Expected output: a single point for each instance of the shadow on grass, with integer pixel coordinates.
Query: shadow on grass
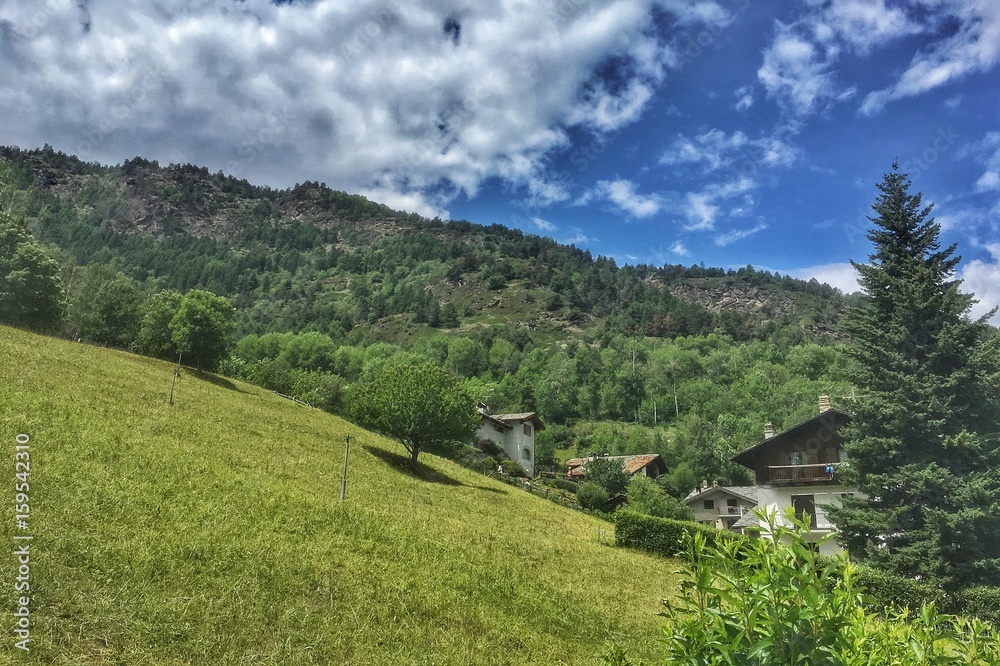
(221, 382)
(419, 470)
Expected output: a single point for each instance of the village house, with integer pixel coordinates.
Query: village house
(514, 433)
(722, 507)
(798, 469)
(647, 464)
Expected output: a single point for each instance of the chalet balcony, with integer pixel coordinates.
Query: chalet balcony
(732, 512)
(803, 474)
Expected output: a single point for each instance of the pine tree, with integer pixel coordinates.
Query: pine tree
(923, 443)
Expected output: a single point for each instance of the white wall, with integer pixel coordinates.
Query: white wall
(779, 499)
(513, 442)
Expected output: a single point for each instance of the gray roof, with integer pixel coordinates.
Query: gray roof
(747, 520)
(748, 493)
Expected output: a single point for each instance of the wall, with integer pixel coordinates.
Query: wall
(779, 499)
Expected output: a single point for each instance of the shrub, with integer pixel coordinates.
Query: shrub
(662, 536)
(761, 602)
(514, 469)
(980, 602)
(887, 590)
(566, 484)
(645, 496)
(591, 496)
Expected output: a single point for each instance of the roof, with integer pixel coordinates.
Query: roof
(748, 493)
(630, 464)
(788, 432)
(509, 419)
(748, 519)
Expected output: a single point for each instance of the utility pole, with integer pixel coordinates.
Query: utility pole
(343, 479)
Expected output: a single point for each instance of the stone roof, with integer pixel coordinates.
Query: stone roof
(746, 492)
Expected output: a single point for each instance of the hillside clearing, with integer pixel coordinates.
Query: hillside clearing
(209, 533)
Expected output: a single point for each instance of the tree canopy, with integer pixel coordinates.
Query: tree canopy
(421, 406)
(923, 444)
(31, 292)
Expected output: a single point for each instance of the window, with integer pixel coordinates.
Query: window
(732, 501)
(526, 454)
(709, 504)
(805, 504)
(527, 429)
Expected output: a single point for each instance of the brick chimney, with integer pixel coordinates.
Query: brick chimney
(768, 430)
(824, 404)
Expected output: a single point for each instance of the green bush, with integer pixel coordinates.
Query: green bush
(565, 484)
(591, 496)
(980, 602)
(663, 536)
(760, 601)
(887, 590)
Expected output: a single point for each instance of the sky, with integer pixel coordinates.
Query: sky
(728, 132)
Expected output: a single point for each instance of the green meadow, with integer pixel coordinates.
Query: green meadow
(210, 532)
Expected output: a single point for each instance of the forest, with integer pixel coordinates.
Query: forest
(313, 292)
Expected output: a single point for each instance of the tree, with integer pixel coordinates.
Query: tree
(420, 406)
(31, 291)
(609, 474)
(155, 336)
(591, 496)
(645, 496)
(114, 316)
(924, 442)
(200, 329)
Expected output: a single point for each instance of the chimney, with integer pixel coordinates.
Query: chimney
(824, 404)
(715, 484)
(704, 484)
(768, 430)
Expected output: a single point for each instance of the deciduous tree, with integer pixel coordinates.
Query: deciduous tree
(31, 292)
(421, 406)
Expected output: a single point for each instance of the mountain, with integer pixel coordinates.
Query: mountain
(312, 258)
(210, 532)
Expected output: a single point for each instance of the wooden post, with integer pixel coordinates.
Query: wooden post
(177, 372)
(343, 479)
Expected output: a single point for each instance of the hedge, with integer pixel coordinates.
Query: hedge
(662, 536)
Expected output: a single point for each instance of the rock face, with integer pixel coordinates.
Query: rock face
(734, 295)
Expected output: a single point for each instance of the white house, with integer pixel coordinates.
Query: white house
(721, 507)
(515, 433)
(797, 469)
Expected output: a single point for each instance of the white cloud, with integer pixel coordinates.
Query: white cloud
(744, 98)
(987, 151)
(715, 150)
(700, 212)
(973, 47)
(579, 239)
(842, 276)
(622, 193)
(367, 96)
(544, 225)
(736, 235)
(680, 249)
(982, 278)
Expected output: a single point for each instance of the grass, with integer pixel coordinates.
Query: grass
(209, 532)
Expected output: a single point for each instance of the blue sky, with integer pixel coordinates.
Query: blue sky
(657, 131)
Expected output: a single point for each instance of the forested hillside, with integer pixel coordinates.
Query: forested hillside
(328, 287)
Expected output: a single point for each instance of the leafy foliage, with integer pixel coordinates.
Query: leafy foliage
(200, 328)
(763, 602)
(31, 291)
(419, 406)
(608, 474)
(924, 443)
(662, 536)
(591, 496)
(645, 496)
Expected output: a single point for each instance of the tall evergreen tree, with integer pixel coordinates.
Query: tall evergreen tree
(924, 443)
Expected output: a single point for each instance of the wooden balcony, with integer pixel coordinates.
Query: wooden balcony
(803, 474)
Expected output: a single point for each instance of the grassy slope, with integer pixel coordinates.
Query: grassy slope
(209, 532)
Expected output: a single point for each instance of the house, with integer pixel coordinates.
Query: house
(515, 433)
(722, 507)
(797, 469)
(647, 464)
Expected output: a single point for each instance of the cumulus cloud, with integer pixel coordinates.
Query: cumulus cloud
(974, 47)
(982, 278)
(624, 195)
(413, 103)
(799, 65)
(680, 249)
(842, 276)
